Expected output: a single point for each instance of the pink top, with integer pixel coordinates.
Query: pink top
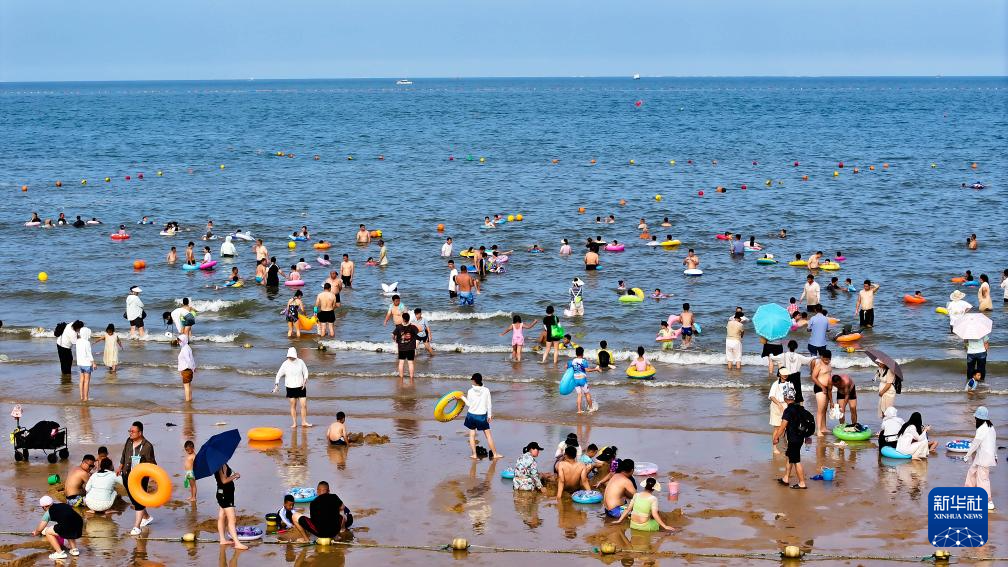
(641, 364)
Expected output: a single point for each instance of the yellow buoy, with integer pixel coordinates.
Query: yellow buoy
(222, 166)
(671, 162)
(792, 551)
(160, 173)
(292, 245)
(836, 173)
(657, 197)
(482, 160)
(189, 537)
(632, 162)
(517, 218)
(510, 218)
(83, 181)
(247, 345)
(768, 182)
(42, 276)
(108, 179)
(323, 541)
(460, 544)
(607, 548)
(349, 158)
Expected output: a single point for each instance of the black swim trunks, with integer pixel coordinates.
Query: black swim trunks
(327, 316)
(772, 349)
(591, 267)
(346, 281)
(407, 354)
(853, 393)
(338, 443)
(815, 388)
(296, 393)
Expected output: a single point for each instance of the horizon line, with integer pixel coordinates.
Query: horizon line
(505, 77)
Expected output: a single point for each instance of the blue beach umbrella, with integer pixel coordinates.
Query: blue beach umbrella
(215, 452)
(772, 322)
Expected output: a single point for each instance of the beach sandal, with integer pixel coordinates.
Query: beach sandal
(782, 481)
(817, 477)
(797, 487)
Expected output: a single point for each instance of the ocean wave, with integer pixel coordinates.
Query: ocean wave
(370, 346)
(220, 306)
(457, 316)
(713, 358)
(43, 333)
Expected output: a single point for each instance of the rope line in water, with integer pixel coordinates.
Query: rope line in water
(497, 549)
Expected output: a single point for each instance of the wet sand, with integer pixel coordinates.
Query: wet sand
(421, 489)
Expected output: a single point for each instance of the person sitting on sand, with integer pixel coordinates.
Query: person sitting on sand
(572, 475)
(103, 487)
(890, 428)
(337, 433)
(618, 488)
(913, 439)
(643, 510)
(327, 516)
(76, 479)
(526, 470)
(286, 514)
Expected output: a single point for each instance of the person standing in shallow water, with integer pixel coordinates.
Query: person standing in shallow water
(295, 375)
(479, 415)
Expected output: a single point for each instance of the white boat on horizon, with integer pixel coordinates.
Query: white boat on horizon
(636, 76)
(404, 82)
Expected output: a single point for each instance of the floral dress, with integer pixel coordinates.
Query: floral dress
(526, 474)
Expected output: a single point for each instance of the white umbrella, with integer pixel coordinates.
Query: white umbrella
(973, 326)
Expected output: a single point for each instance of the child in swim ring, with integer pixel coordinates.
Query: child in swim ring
(535, 248)
(620, 286)
(567, 343)
(487, 223)
(658, 294)
(293, 275)
(641, 363)
(665, 335)
(370, 261)
(302, 265)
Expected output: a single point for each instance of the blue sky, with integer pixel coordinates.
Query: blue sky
(70, 40)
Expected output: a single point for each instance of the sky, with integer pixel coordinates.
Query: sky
(71, 40)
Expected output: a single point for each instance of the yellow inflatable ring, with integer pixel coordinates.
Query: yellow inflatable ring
(321, 246)
(941, 310)
(670, 243)
(306, 323)
(467, 253)
(802, 263)
(830, 266)
(157, 474)
(648, 372)
(442, 405)
(265, 434)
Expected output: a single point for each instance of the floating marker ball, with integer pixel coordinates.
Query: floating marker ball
(632, 162)
(840, 165)
(836, 173)
(517, 218)
(933, 165)
(83, 181)
(744, 187)
(247, 345)
(127, 178)
(973, 165)
(42, 276)
(24, 187)
(292, 245)
(792, 551)
(59, 183)
(555, 161)
(796, 164)
(593, 161)
(188, 537)
(440, 228)
(871, 168)
(323, 541)
(768, 182)
(482, 160)
(108, 179)
(671, 162)
(451, 158)
(754, 162)
(222, 166)
(622, 202)
(607, 548)
(638, 103)
(885, 166)
(657, 197)
(139, 264)
(160, 173)
(510, 218)
(460, 544)
(689, 162)
(700, 193)
(581, 210)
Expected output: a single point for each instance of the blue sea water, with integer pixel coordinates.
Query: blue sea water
(904, 226)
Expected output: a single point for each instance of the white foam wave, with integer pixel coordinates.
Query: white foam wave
(370, 346)
(169, 337)
(208, 305)
(456, 316)
(698, 357)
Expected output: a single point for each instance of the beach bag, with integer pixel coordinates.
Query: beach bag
(60, 327)
(806, 423)
(898, 385)
(556, 332)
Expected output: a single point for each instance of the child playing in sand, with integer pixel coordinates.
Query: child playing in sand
(337, 433)
(286, 513)
(190, 458)
(517, 330)
(110, 356)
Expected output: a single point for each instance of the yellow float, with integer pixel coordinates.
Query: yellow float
(441, 411)
(798, 263)
(670, 243)
(307, 323)
(830, 266)
(265, 434)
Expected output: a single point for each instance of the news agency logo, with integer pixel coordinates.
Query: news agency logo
(957, 517)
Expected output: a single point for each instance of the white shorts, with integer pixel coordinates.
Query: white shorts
(581, 389)
(733, 350)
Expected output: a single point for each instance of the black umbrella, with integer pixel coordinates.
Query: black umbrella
(879, 356)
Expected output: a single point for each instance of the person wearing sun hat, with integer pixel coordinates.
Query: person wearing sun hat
(66, 524)
(295, 375)
(983, 451)
(956, 307)
(576, 298)
(135, 312)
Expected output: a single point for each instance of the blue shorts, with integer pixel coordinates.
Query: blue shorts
(687, 331)
(476, 422)
(615, 512)
(580, 382)
(466, 298)
(84, 369)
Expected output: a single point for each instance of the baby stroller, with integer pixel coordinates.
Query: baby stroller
(45, 436)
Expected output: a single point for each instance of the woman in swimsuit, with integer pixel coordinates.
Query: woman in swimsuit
(517, 330)
(643, 510)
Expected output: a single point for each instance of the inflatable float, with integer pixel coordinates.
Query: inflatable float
(839, 433)
(893, 453)
(303, 494)
(587, 497)
(614, 248)
(914, 299)
(441, 411)
(766, 261)
(294, 283)
(647, 374)
(848, 338)
(118, 236)
(265, 434)
(693, 272)
(959, 445)
(306, 323)
(567, 382)
(208, 265)
(636, 295)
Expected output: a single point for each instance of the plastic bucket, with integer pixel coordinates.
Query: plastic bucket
(673, 487)
(828, 473)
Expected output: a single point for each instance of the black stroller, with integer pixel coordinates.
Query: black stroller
(45, 436)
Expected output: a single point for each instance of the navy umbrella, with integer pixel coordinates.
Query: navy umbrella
(216, 452)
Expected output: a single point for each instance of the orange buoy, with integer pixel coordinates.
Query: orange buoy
(622, 202)
(644, 235)
(139, 264)
(440, 228)
(593, 161)
(24, 188)
(581, 210)
(804, 177)
(555, 161)
(871, 168)
(885, 166)
(518, 218)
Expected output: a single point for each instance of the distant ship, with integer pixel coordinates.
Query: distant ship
(404, 82)
(636, 76)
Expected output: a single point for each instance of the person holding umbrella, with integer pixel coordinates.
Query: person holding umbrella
(212, 459)
(889, 377)
(974, 329)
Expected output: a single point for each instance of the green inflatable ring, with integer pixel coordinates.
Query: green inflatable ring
(839, 433)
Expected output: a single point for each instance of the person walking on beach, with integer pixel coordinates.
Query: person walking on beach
(552, 334)
(226, 520)
(85, 358)
(295, 307)
(983, 452)
(865, 306)
(135, 313)
(295, 375)
(66, 337)
(810, 293)
(405, 337)
(136, 450)
(794, 425)
(733, 341)
(479, 414)
(186, 366)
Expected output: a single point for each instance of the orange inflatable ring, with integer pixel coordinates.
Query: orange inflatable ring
(322, 246)
(913, 299)
(959, 279)
(848, 338)
(375, 234)
(149, 499)
(265, 434)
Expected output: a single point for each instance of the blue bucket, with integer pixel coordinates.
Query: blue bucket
(828, 473)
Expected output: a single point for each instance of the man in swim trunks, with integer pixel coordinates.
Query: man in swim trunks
(326, 303)
(865, 307)
(822, 379)
(466, 286)
(76, 479)
(337, 434)
(692, 261)
(363, 236)
(619, 489)
(260, 250)
(813, 261)
(591, 258)
(846, 396)
(347, 271)
(572, 474)
(686, 319)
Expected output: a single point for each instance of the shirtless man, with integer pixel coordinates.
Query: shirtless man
(692, 261)
(336, 283)
(813, 261)
(479, 262)
(172, 256)
(822, 379)
(846, 395)
(619, 489)
(465, 284)
(347, 270)
(686, 320)
(395, 312)
(76, 479)
(591, 258)
(190, 255)
(363, 236)
(337, 434)
(261, 253)
(572, 474)
(326, 304)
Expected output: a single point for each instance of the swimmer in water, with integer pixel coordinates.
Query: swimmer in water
(659, 295)
(48, 223)
(370, 261)
(620, 286)
(94, 220)
(642, 226)
(639, 364)
(497, 219)
(302, 265)
(206, 255)
(363, 236)
(782, 233)
(598, 220)
(35, 218)
(536, 248)
(666, 222)
(304, 232)
(145, 220)
(292, 276)
(665, 335)
(565, 249)
(260, 275)
(487, 223)
(172, 256)
(692, 261)
(611, 219)
(122, 229)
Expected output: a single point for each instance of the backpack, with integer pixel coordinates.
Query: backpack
(806, 423)
(60, 327)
